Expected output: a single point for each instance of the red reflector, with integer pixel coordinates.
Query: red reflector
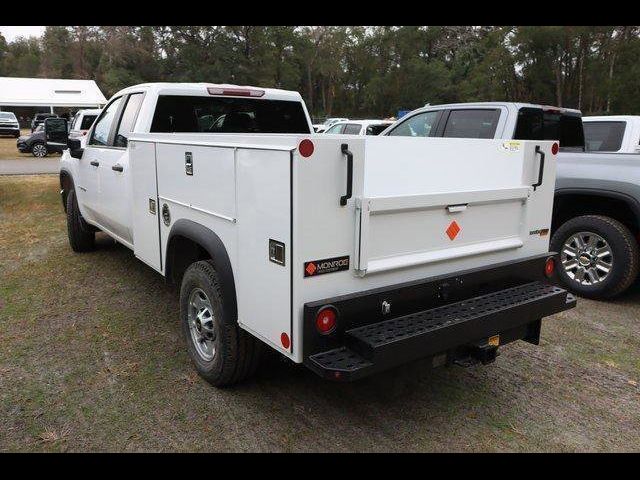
(326, 320)
(306, 148)
(85, 132)
(554, 148)
(549, 266)
(235, 92)
(284, 339)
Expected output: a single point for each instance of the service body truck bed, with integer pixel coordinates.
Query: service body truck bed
(353, 254)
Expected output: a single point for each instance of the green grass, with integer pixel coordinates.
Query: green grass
(92, 359)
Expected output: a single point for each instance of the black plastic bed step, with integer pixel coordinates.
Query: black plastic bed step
(438, 330)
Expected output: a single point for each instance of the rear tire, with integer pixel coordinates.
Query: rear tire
(39, 150)
(221, 351)
(81, 235)
(613, 272)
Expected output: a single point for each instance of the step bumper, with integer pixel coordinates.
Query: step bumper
(445, 333)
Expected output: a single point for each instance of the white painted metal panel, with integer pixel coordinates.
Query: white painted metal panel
(263, 287)
(146, 237)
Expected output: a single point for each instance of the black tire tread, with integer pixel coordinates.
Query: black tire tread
(81, 237)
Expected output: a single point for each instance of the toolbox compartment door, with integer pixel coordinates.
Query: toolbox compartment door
(442, 200)
(146, 227)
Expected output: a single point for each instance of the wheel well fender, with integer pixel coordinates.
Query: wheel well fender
(189, 242)
(570, 203)
(66, 184)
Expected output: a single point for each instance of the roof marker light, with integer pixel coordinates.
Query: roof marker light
(235, 92)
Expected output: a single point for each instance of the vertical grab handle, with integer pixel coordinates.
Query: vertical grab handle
(541, 170)
(345, 150)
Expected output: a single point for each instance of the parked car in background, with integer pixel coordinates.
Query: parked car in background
(322, 127)
(81, 122)
(612, 133)
(40, 118)
(36, 144)
(9, 124)
(359, 127)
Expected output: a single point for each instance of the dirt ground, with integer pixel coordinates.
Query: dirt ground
(9, 151)
(92, 359)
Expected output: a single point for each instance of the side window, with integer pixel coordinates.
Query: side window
(478, 123)
(74, 121)
(603, 136)
(352, 129)
(336, 129)
(420, 125)
(102, 130)
(87, 121)
(129, 116)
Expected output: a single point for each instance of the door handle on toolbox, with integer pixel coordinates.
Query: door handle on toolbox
(94, 163)
(345, 150)
(541, 171)
(117, 168)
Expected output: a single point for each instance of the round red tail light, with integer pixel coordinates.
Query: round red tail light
(554, 148)
(326, 320)
(549, 266)
(306, 148)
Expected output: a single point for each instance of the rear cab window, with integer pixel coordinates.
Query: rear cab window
(603, 136)
(195, 114)
(538, 124)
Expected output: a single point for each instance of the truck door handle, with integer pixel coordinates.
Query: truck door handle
(94, 163)
(345, 150)
(541, 171)
(117, 168)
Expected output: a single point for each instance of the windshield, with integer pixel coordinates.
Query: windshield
(7, 116)
(536, 124)
(603, 136)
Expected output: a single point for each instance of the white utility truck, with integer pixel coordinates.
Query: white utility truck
(350, 254)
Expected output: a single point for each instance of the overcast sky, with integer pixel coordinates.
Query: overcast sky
(11, 33)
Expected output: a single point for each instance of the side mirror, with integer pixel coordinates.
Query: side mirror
(75, 148)
(55, 133)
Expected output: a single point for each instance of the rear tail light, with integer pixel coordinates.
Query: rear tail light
(326, 320)
(306, 148)
(235, 92)
(549, 266)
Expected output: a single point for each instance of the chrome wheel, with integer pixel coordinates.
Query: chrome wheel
(586, 258)
(202, 324)
(39, 150)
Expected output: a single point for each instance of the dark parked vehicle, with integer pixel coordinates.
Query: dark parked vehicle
(36, 144)
(40, 118)
(9, 124)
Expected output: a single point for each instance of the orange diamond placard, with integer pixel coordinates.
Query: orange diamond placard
(452, 230)
(311, 268)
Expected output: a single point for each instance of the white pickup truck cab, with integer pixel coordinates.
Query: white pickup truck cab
(612, 133)
(350, 254)
(506, 120)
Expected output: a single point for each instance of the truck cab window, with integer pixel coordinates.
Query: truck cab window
(603, 136)
(420, 125)
(104, 123)
(175, 113)
(336, 128)
(128, 119)
(352, 129)
(536, 124)
(476, 123)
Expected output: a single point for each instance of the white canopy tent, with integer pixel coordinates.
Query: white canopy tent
(49, 92)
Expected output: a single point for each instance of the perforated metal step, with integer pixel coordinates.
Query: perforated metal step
(485, 312)
(430, 332)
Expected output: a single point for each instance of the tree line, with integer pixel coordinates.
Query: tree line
(353, 71)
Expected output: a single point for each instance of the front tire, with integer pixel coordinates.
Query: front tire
(81, 235)
(39, 150)
(221, 351)
(599, 256)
